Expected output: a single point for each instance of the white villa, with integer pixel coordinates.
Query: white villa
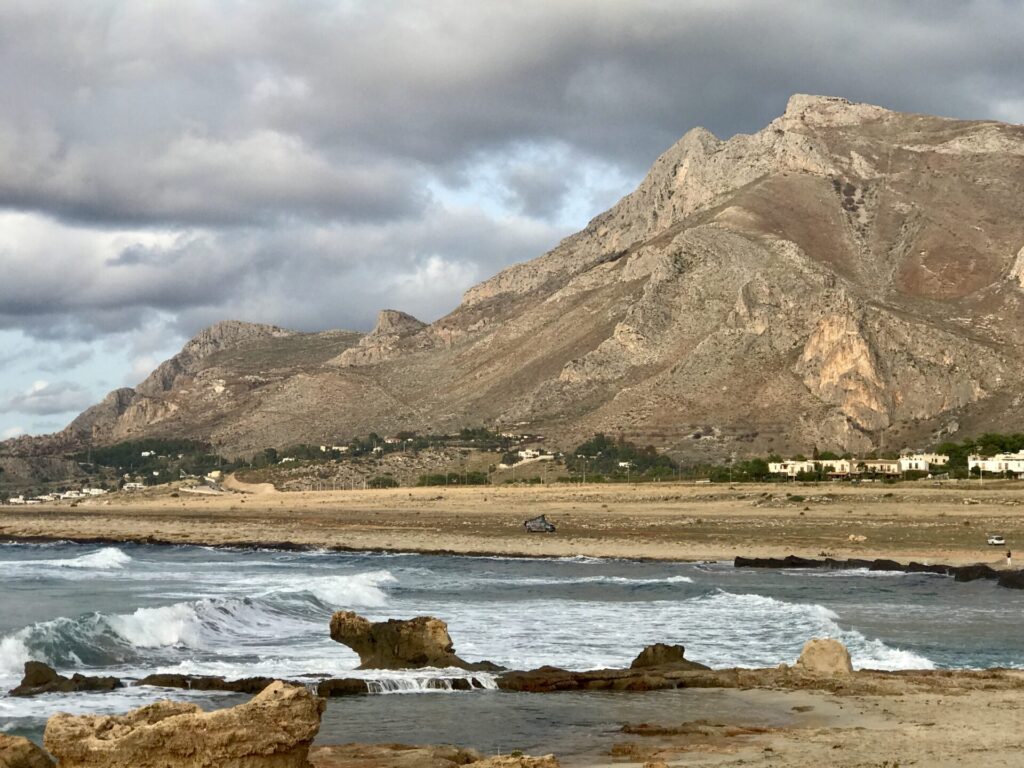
(1000, 464)
(838, 468)
(791, 467)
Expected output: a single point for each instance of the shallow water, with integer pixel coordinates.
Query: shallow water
(133, 610)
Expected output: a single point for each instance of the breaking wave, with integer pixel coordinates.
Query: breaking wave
(106, 559)
(210, 625)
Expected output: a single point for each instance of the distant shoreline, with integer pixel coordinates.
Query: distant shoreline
(667, 522)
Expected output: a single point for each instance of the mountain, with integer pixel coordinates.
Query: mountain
(848, 277)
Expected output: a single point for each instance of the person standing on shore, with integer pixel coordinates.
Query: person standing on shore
(1009, 559)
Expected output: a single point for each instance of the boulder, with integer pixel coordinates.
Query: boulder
(273, 730)
(824, 657)
(661, 655)
(40, 678)
(400, 643)
(16, 752)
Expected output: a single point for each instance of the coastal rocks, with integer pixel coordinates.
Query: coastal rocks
(824, 657)
(661, 655)
(400, 643)
(342, 686)
(207, 683)
(273, 730)
(16, 752)
(40, 678)
(550, 679)
(1006, 578)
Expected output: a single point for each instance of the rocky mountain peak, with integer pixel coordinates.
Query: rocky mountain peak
(391, 322)
(829, 110)
(216, 338)
(383, 342)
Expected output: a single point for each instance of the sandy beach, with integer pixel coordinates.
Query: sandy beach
(928, 523)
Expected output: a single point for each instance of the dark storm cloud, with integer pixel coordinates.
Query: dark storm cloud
(193, 113)
(309, 164)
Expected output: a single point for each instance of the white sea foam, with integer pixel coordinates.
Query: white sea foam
(169, 625)
(106, 559)
(357, 590)
(874, 654)
(622, 580)
(13, 654)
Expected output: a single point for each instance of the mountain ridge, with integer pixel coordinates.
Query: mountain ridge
(849, 277)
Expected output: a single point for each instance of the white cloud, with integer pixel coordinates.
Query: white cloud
(10, 432)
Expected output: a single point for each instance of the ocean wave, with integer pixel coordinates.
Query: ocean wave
(791, 624)
(874, 654)
(365, 590)
(286, 608)
(621, 580)
(106, 559)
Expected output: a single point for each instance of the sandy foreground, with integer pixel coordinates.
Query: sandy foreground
(914, 521)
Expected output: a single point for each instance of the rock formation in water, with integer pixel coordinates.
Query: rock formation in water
(848, 277)
(273, 730)
(400, 643)
(17, 752)
(824, 656)
(662, 655)
(40, 678)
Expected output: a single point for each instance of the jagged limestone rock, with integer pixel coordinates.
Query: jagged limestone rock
(273, 730)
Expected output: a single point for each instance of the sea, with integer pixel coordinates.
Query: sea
(133, 610)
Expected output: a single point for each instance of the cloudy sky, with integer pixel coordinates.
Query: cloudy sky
(164, 165)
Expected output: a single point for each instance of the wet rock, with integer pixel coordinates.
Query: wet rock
(824, 657)
(974, 572)
(207, 683)
(959, 573)
(400, 643)
(550, 679)
(41, 678)
(16, 752)
(1012, 579)
(273, 730)
(660, 655)
(342, 686)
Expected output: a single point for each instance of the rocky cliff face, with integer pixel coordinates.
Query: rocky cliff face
(847, 278)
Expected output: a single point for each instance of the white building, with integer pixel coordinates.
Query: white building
(838, 467)
(529, 453)
(791, 467)
(16, 500)
(922, 462)
(1000, 464)
(889, 467)
(134, 486)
